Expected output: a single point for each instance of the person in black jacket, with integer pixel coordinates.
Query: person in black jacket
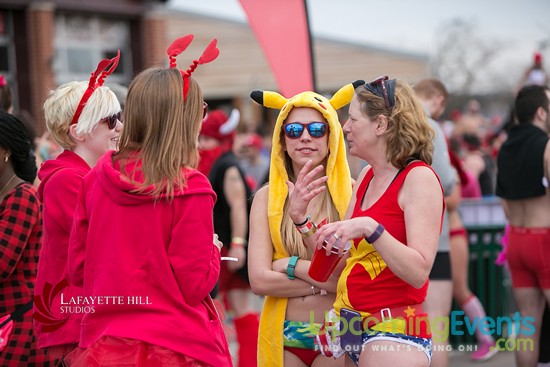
(231, 211)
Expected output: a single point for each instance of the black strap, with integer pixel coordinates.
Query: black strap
(5, 322)
(17, 315)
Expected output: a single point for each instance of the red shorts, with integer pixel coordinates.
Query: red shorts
(529, 257)
(307, 356)
(115, 351)
(458, 232)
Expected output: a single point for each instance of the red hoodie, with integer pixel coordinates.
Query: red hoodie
(60, 182)
(125, 245)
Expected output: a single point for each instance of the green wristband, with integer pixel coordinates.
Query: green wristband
(291, 266)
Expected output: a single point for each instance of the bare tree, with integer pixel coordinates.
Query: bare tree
(463, 59)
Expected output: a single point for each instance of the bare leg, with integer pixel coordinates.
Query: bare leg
(322, 361)
(239, 300)
(459, 268)
(530, 303)
(348, 361)
(438, 306)
(469, 303)
(546, 293)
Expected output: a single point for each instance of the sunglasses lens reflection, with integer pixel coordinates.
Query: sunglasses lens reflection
(294, 131)
(315, 129)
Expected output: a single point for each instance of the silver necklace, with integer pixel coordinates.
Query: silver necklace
(7, 183)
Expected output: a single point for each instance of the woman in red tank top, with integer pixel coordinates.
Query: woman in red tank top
(394, 220)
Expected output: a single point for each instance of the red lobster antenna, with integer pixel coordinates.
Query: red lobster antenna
(104, 69)
(178, 46)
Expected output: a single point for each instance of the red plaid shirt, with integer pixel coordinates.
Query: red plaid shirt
(20, 236)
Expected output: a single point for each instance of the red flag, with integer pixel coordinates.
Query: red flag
(282, 29)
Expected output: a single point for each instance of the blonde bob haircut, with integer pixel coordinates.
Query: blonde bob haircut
(408, 135)
(161, 130)
(61, 106)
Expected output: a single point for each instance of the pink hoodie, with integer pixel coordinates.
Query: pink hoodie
(125, 245)
(60, 182)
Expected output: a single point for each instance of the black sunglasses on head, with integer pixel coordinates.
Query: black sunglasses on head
(374, 88)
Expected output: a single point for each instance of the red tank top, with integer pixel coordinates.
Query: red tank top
(367, 285)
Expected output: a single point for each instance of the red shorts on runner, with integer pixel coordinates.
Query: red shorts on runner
(529, 257)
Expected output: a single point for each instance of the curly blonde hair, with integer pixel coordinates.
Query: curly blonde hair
(409, 135)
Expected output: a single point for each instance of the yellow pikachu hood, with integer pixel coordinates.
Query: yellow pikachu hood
(270, 347)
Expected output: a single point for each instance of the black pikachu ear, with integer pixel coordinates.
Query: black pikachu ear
(257, 96)
(358, 83)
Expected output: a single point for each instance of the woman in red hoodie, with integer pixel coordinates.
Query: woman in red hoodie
(143, 243)
(84, 119)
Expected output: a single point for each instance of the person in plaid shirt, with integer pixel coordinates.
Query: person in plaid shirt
(20, 239)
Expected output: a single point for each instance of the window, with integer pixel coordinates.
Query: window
(82, 41)
(8, 65)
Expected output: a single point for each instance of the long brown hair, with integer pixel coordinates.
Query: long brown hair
(161, 129)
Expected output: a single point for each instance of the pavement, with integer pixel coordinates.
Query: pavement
(462, 359)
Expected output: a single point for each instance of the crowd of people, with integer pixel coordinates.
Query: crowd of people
(140, 220)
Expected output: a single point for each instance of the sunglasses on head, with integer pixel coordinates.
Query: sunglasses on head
(112, 120)
(315, 129)
(373, 88)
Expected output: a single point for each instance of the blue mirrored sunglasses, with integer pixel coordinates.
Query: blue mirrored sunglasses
(315, 129)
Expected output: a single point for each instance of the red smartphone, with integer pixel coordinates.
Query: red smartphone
(351, 323)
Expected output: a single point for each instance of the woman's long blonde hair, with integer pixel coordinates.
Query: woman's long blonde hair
(161, 130)
(291, 237)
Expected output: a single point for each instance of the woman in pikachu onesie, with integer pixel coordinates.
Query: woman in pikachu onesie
(309, 184)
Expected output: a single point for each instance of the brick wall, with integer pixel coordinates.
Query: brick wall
(154, 42)
(41, 25)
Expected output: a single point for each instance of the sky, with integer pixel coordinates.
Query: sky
(521, 26)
